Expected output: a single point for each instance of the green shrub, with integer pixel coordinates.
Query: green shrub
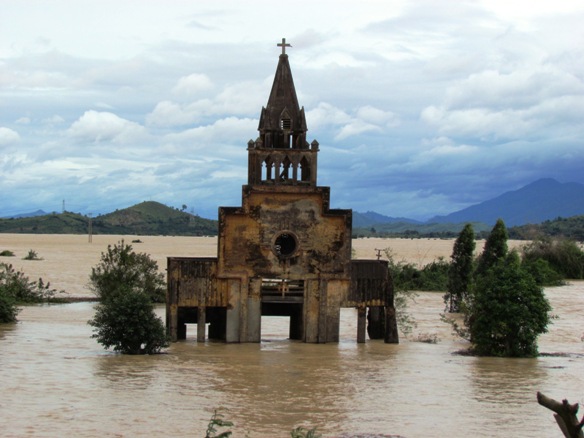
(121, 267)
(32, 255)
(433, 276)
(20, 289)
(126, 322)
(507, 311)
(6, 253)
(562, 255)
(8, 309)
(542, 272)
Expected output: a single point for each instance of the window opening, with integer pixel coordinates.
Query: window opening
(286, 124)
(285, 244)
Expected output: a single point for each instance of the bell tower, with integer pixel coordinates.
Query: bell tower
(281, 154)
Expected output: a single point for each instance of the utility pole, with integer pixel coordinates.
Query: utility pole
(90, 230)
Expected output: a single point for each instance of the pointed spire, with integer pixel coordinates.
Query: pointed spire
(282, 115)
(281, 155)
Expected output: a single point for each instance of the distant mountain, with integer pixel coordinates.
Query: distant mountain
(371, 218)
(147, 218)
(542, 200)
(31, 214)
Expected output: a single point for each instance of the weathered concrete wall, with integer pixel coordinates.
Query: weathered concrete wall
(247, 235)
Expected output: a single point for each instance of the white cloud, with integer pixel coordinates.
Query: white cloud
(99, 127)
(8, 136)
(356, 127)
(326, 114)
(192, 84)
(208, 138)
(168, 113)
(240, 99)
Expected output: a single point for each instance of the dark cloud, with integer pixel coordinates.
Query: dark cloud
(420, 108)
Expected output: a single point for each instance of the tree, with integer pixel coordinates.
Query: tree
(461, 269)
(126, 321)
(16, 288)
(507, 311)
(495, 247)
(120, 267)
(127, 283)
(562, 256)
(8, 309)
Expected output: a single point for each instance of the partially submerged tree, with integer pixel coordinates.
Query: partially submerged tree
(495, 248)
(120, 267)
(564, 257)
(506, 310)
(8, 309)
(16, 288)
(127, 323)
(126, 284)
(461, 268)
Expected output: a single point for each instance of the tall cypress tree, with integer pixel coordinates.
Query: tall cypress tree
(461, 269)
(495, 248)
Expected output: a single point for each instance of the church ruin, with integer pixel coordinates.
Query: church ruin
(284, 251)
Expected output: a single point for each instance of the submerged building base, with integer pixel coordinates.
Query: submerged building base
(232, 307)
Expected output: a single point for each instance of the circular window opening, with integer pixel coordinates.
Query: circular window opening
(285, 244)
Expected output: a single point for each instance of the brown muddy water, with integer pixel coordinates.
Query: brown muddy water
(56, 381)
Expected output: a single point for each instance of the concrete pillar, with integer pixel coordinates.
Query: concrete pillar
(201, 323)
(391, 331)
(322, 312)
(311, 311)
(172, 322)
(233, 323)
(334, 291)
(254, 310)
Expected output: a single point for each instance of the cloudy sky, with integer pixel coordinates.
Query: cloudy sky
(420, 107)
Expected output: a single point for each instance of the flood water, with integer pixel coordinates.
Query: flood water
(57, 381)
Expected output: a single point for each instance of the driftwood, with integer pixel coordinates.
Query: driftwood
(565, 415)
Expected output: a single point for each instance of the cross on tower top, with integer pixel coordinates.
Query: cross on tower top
(283, 45)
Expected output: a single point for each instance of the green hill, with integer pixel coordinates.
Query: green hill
(146, 218)
(64, 223)
(408, 229)
(570, 228)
